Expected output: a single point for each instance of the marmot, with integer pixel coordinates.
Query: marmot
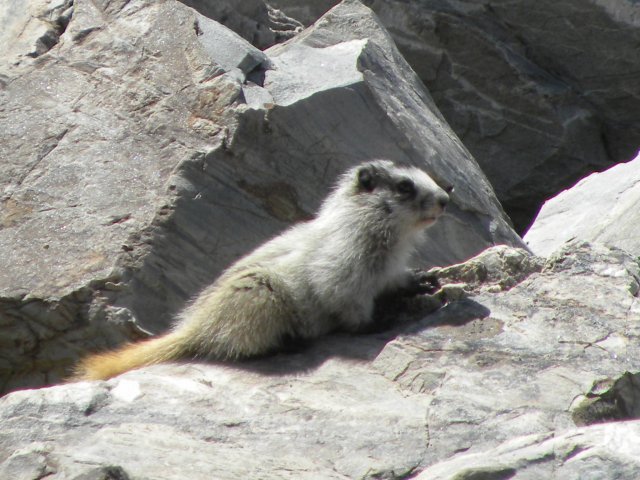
(318, 276)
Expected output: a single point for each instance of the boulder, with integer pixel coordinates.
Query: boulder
(601, 208)
(347, 67)
(141, 159)
(148, 147)
(96, 129)
(540, 98)
(520, 379)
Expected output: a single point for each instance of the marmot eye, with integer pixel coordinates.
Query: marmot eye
(406, 187)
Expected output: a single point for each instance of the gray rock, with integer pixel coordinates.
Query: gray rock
(487, 387)
(600, 452)
(304, 11)
(237, 52)
(142, 159)
(350, 58)
(500, 266)
(95, 133)
(29, 29)
(541, 98)
(600, 208)
(139, 164)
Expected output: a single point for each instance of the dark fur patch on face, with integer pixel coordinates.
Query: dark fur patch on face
(406, 188)
(371, 177)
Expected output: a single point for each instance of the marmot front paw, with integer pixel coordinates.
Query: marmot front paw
(423, 283)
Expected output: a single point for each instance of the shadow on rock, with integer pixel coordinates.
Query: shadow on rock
(453, 314)
(306, 356)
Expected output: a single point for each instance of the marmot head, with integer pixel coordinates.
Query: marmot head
(406, 196)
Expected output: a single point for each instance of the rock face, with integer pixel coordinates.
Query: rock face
(601, 208)
(603, 451)
(491, 386)
(147, 146)
(95, 131)
(541, 98)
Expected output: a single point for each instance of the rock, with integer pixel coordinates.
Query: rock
(95, 132)
(610, 400)
(31, 30)
(305, 11)
(499, 266)
(347, 66)
(237, 52)
(540, 98)
(142, 159)
(600, 208)
(491, 386)
(605, 451)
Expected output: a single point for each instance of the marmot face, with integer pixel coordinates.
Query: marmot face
(408, 196)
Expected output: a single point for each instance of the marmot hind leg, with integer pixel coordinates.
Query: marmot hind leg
(250, 314)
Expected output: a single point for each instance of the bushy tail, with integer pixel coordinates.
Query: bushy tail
(102, 366)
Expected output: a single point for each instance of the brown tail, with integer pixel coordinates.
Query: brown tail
(102, 366)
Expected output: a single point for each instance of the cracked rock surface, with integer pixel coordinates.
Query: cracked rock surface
(494, 384)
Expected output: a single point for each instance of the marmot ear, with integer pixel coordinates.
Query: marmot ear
(367, 178)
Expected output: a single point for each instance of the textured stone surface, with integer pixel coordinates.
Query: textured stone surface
(148, 147)
(541, 97)
(600, 452)
(600, 208)
(491, 386)
(95, 132)
(29, 29)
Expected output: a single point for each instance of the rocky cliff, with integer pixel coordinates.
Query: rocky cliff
(146, 145)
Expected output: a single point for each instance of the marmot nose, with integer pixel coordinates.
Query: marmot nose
(443, 200)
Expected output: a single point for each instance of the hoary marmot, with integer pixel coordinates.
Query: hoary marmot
(318, 276)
